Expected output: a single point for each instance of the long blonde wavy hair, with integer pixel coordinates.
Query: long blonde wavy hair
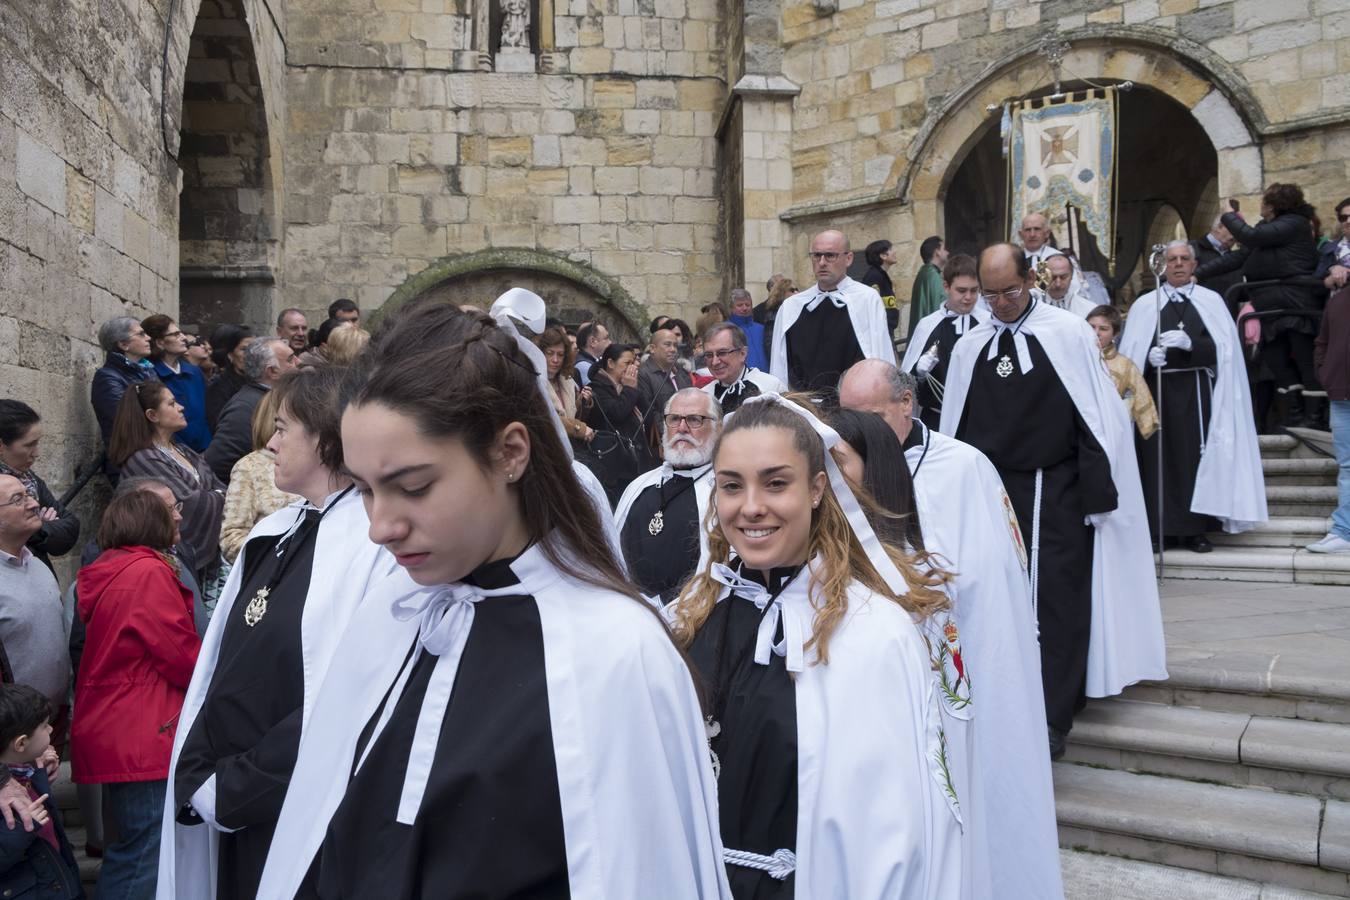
(842, 560)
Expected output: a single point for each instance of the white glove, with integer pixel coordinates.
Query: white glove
(1176, 338)
(1096, 520)
(928, 362)
(1157, 357)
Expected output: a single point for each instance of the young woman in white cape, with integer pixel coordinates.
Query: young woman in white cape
(300, 575)
(526, 726)
(835, 679)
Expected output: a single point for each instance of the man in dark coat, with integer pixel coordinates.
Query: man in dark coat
(128, 360)
(659, 377)
(265, 361)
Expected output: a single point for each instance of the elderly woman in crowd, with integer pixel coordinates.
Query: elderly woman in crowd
(20, 432)
(168, 351)
(229, 343)
(253, 494)
(139, 651)
(127, 362)
(143, 444)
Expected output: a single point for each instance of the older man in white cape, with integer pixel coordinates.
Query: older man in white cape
(1212, 466)
(1125, 630)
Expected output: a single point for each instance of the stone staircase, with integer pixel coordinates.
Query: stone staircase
(1239, 764)
(1300, 494)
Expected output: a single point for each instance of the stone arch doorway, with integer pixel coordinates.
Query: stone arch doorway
(956, 155)
(574, 292)
(228, 222)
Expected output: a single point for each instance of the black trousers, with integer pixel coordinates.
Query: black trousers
(1289, 356)
(1063, 585)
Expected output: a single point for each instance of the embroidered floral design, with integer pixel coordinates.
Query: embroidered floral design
(945, 774)
(953, 680)
(1013, 528)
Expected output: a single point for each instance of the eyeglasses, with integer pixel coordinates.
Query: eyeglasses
(694, 422)
(1009, 294)
(177, 507)
(828, 256)
(724, 354)
(1345, 218)
(16, 499)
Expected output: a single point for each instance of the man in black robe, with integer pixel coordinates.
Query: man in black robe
(660, 515)
(1020, 414)
(1188, 358)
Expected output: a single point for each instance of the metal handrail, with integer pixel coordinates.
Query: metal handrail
(81, 479)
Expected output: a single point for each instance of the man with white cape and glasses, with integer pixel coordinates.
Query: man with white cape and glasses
(1028, 388)
(840, 701)
(527, 727)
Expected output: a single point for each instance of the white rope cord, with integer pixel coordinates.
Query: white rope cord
(1036, 548)
(779, 866)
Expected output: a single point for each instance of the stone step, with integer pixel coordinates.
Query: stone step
(1095, 876)
(1301, 499)
(1244, 832)
(1281, 564)
(1291, 755)
(1276, 445)
(1318, 470)
(1279, 531)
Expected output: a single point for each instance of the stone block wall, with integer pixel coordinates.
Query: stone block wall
(608, 157)
(879, 76)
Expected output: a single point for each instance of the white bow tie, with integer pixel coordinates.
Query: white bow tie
(1019, 343)
(962, 321)
(834, 297)
(446, 620)
(794, 632)
(1176, 296)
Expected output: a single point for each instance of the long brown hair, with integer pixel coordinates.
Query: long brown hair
(132, 430)
(782, 289)
(555, 336)
(842, 558)
(460, 376)
(137, 519)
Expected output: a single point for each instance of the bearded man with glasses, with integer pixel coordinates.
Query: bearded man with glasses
(821, 331)
(1027, 388)
(660, 515)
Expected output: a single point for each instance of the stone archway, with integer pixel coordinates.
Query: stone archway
(573, 291)
(1203, 84)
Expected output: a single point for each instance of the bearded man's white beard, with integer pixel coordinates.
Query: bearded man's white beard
(684, 452)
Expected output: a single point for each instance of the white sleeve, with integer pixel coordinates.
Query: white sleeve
(204, 804)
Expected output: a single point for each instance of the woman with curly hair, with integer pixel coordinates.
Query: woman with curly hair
(1280, 246)
(834, 677)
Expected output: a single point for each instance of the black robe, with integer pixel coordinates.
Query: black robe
(945, 336)
(1027, 422)
(247, 733)
(821, 345)
(1184, 411)
(755, 708)
(659, 564)
(491, 818)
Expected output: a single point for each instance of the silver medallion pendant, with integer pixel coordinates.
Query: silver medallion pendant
(257, 608)
(657, 524)
(1005, 367)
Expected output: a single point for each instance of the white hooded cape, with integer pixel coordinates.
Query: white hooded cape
(1230, 484)
(639, 801)
(924, 327)
(1126, 645)
(865, 311)
(967, 520)
(346, 570)
(873, 819)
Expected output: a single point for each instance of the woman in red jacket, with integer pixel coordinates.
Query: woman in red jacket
(140, 648)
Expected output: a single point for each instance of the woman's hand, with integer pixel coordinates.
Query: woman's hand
(584, 396)
(630, 376)
(1336, 277)
(589, 434)
(47, 514)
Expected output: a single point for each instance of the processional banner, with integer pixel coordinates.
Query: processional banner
(1063, 153)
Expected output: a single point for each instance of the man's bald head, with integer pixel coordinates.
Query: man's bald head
(830, 259)
(1061, 276)
(876, 386)
(1005, 280)
(1035, 231)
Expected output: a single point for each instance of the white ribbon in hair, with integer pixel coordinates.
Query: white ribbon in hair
(843, 492)
(794, 629)
(446, 619)
(527, 308)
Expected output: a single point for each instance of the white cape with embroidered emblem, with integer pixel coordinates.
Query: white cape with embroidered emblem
(1229, 484)
(872, 818)
(638, 798)
(865, 311)
(345, 562)
(1126, 645)
(1011, 836)
(702, 496)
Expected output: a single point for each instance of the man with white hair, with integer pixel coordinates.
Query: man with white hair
(1211, 462)
(265, 361)
(660, 515)
(821, 331)
(1035, 235)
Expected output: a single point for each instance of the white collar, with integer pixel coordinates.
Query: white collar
(1019, 332)
(695, 472)
(18, 562)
